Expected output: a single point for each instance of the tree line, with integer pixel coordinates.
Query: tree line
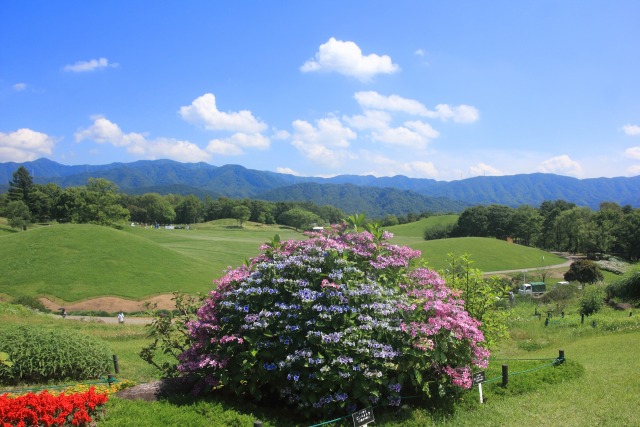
(101, 202)
(555, 225)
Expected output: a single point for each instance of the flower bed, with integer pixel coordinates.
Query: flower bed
(47, 409)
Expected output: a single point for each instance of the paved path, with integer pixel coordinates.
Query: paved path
(570, 260)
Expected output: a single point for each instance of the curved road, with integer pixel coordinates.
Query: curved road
(570, 260)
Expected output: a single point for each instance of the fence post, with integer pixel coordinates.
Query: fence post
(505, 375)
(110, 379)
(116, 366)
(560, 356)
(257, 423)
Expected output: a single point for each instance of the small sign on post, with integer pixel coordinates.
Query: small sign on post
(479, 378)
(363, 418)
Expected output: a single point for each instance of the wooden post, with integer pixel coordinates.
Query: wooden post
(505, 375)
(116, 366)
(560, 356)
(110, 379)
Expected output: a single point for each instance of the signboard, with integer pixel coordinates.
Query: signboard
(363, 417)
(479, 377)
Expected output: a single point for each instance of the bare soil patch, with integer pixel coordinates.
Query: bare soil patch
(112, 304)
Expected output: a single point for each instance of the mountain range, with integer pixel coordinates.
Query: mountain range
(377, 196)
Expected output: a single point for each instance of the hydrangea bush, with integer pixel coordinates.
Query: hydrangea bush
(331, 324)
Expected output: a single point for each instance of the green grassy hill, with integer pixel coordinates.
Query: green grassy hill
(75, 262)
(417, 228)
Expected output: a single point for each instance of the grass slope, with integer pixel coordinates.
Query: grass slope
(417, 228)
(75, 262)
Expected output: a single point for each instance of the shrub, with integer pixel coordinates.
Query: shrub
(627, 287)
(331, 324)
(41, 355)
(31, 302)
(592, 301)
(583, 271)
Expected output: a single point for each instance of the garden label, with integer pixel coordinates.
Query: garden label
(363, 417)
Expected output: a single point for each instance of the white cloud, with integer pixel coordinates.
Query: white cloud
(374, 100)
(414, 134)
(24, 145)
(323, 143)
(632, 130)
(483, 169)
(103, 131)
(420, 169)
(347, 58)
(419, 52)
(288, 171)
(19, 87)
(371, 119)
(561, 165)
(91, 65)
(234, 145)
(203, 110)
(633, 170)
(633, 152)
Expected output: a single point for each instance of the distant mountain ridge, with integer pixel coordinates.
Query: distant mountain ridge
(351, 193)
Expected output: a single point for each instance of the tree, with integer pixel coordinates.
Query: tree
(18, 214)
(103, 203)
(189, 210)
(157, 209)
(473, 222)
(241, 213)
(499, 221)
(583, 271)
(527, 224)
(298, 218)
(21, 185)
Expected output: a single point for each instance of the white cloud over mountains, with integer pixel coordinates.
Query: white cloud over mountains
(25, 145)
(346, 58)
(563, 165)
(103, 131)
(91, 65)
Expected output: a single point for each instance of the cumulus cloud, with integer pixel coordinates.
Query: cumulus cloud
(632, 130)
(346, 58)
(561, 165)
(324, 143)
(633, 152)
(203, 111)
(633, 170)
(19, 87)
(374, 100)
(483, 169)
(91, 65)
(103, 131)
(371, 119)
(420, 169)
(414, 134)
(235, 143)
(25, 145)
(288, 171)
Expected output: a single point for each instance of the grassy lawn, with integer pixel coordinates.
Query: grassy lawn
(73, 262)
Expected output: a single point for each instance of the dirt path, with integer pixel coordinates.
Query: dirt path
(111, 304)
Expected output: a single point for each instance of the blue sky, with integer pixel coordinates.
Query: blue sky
(427, 89)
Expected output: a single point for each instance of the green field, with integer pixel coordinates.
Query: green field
(79, 261)
(73, 262)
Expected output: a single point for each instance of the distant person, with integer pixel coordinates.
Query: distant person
(121, 317)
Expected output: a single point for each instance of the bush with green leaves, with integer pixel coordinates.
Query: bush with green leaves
(592, 300)
(40, 355)
(334, 323)
(627, 287)
(31, 302)
(583, 271)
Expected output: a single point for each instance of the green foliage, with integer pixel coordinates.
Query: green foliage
(485, 299)
(41, 355)
(592, 300)
(4, 359)
(627, 287)
(18, 214)
(583, 271)
(31, 302)
(438, 232)
(168, 330)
